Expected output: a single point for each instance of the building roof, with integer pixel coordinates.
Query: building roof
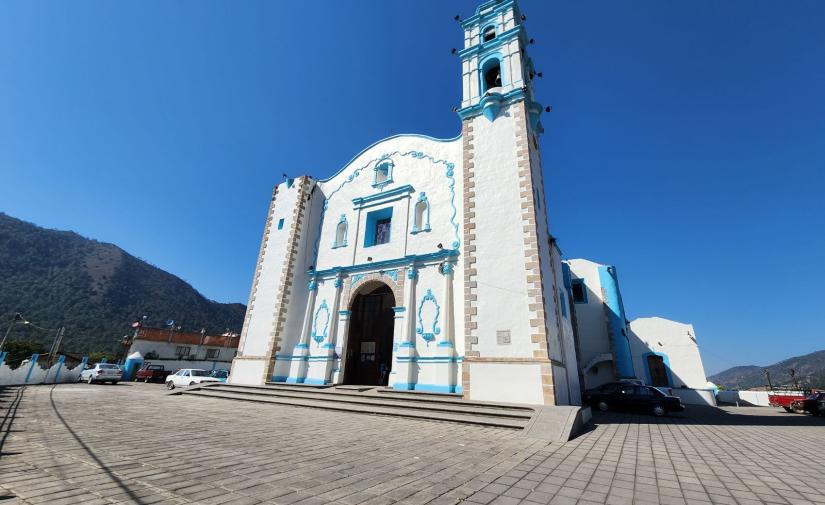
(187, 337)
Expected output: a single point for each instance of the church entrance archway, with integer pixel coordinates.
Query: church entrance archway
(370, 336)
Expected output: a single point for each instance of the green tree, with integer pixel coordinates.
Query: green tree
(19, 350)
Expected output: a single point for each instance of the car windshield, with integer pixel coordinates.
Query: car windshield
(219, 374)
(200, 373)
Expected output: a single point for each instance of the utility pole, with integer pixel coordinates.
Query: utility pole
(58, 339)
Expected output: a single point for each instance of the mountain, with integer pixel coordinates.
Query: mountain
(810, 370)
(94, 289)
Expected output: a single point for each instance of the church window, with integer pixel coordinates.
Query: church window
(579, 291)
(382, 231)
(421, 214)
(379, 224)
(489, 34)
(281, 224)
(383, 173)
(340, 233)
(492, 74)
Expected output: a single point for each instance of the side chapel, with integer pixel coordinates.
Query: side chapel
(424, 264)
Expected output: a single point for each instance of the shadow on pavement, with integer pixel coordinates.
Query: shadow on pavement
(716, 416)
(15, 396)
(132, 496)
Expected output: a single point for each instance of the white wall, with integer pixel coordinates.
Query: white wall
(594, 339)
(744, 398)
(33, 373)
(675, 340)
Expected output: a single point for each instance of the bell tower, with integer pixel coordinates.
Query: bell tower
(517, 344)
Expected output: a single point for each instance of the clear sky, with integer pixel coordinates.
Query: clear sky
(686, 144)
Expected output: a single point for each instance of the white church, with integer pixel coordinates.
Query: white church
(424, 264)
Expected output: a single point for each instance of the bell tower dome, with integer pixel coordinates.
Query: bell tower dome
(495, 67)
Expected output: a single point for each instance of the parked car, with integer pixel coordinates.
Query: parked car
(632, 396)
(221, 375)
(814, 404)
(188, 377)
(101, 372)
(151, 373)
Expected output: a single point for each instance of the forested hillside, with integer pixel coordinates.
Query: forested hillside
(94, 289)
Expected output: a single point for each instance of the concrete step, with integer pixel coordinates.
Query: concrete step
(333, 402)
(388, 393)
(366, 399)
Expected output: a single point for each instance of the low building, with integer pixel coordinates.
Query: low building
(182, 349)
(666, 353)
(658, 351)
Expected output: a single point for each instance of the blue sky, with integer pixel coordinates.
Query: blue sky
(685, 144)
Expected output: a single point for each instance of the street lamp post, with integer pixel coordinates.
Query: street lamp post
(17, 317)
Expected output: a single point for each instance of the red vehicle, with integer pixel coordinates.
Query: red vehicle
(151, 373)
(789, 399)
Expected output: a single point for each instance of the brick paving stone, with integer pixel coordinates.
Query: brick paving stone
(249, 453)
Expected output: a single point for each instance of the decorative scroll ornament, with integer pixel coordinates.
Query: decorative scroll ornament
(321, 317)
(428, 335)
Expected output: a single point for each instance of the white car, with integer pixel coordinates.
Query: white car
(101, 372)
(188, 377)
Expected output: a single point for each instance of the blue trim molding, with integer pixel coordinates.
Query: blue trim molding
(379, 198)
(396, 262)
(623, 359)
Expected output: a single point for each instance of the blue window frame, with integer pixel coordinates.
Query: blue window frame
(379, 223)
(281, 224)
(563, 303)
(579, 291)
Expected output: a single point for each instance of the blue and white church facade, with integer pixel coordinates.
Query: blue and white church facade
(424, 264)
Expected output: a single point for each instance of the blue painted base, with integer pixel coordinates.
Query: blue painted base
(318, 382)
(279, 378)
(432, 388)
(295, 380)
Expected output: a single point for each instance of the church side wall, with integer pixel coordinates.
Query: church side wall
(295, 304)
(271, 284)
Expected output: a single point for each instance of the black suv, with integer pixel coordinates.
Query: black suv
(632, 396)
(814, 404)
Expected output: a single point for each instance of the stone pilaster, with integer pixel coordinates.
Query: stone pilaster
(470, 272)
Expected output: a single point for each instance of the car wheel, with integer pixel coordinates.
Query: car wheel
(192, 383)
(797, 408)
(146, 380)
(114, 383)
(787, 409)
(659, 411)
(170, 385)
(602, 405)
(89, 380)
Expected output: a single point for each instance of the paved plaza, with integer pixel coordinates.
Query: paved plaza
(133, 443)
